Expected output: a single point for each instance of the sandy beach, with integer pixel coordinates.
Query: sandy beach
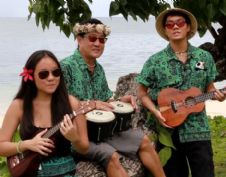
(213, 108)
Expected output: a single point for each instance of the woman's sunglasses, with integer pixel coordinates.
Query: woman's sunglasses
(45, 74)
(102, 40)
(171, 24)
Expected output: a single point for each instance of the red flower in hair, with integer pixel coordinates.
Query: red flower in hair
(27, 74)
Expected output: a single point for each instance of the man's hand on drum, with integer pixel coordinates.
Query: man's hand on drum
(105, 106)
(130, 99)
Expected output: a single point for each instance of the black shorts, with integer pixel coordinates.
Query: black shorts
(197, 155)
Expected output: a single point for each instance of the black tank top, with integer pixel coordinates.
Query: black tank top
(62, 145)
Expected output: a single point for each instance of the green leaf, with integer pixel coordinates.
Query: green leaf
(223, 7)
(164, 155)
(114, 8)
(61, 2)
(3, 168)
(202, 3)
(37, 19)
(66, 29)
(165, 137)
(16, 136)
(133, 15)
(123, 2)
(216, 2)
(153, 137)
(210, 13)
(202, 30)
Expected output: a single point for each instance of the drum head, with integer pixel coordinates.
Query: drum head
(121, 107)
(100, 116)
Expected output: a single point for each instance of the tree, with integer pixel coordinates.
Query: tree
(65, 13)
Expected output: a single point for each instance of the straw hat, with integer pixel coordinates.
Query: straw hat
(161, 29)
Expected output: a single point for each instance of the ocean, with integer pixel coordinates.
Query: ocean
(128, 47)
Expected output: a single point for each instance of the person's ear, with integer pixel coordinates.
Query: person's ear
(79, 38)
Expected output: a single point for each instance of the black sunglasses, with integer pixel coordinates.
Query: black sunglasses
(45, 74)
(102, 40)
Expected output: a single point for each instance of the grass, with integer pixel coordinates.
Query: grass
(218, 127)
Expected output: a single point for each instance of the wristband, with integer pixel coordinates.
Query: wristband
(18, 147)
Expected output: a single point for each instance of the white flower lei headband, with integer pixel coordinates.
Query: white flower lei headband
(87, 28)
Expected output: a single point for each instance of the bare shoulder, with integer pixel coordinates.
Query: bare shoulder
(17, 103)
(12, 117)
(16, 107)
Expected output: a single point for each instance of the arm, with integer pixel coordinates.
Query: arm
(10, 124)
(129, 99)
(76, 130)
(101, 105)
(9, 127)
(148, 103)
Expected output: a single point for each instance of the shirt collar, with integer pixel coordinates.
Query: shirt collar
(80, 60)
(171, 55)
(82, 64)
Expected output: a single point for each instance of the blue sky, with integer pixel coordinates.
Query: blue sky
(19, 8)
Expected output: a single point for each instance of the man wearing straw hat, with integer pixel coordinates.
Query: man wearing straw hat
(181, 66)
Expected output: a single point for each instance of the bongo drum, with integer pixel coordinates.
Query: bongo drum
(100, 125)
(123, 112)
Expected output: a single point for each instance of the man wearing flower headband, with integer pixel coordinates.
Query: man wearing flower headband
(182, 66)
(85, 79)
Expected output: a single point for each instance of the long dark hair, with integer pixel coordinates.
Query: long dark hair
(60, 104)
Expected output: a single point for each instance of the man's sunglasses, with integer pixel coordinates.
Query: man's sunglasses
(102, 40)
(45, 74)
(170, 24)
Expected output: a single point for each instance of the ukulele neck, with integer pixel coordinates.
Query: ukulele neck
(206, 96)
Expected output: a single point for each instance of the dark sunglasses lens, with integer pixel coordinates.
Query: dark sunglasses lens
(56, 72)
(169, 25)
(92, 38)
(43, 74)
(180, 24)
(102, 40)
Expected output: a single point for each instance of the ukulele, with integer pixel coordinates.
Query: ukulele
(175, 105)
(26, 163)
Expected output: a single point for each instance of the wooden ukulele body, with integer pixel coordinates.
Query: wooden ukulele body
(175, 105)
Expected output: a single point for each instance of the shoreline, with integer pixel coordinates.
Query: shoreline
(213, 108)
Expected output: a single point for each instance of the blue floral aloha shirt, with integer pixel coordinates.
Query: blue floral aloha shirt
(163, 70)
(79, 81)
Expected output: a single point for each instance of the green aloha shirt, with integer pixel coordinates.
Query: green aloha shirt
(80, 83)
(163, 70)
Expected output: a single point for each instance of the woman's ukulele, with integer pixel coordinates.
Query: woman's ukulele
(26, 163)
(175, 105)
